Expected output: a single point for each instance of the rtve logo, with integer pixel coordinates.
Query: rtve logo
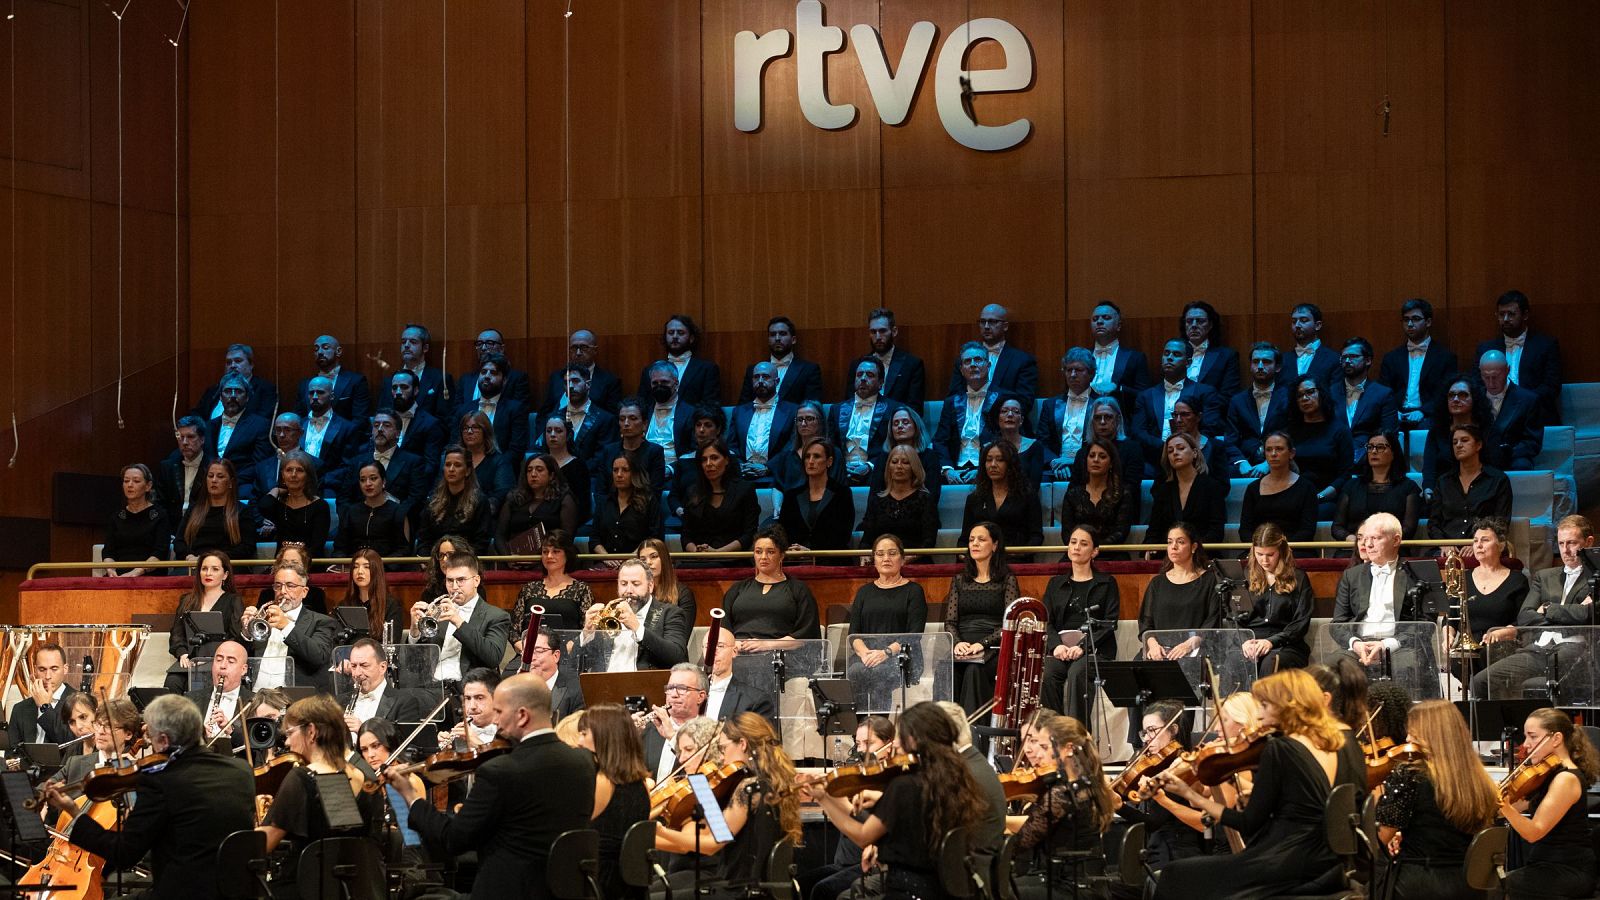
(892, 93)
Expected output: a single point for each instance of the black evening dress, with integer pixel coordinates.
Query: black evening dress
(972, 614)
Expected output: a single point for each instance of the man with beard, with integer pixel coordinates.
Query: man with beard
(798, 379)
(862, 425)
(1257, 411)
(762, 425)
(1152, 414)
(1368, 407)
(491, 342)
(240, 360)
(431, 382)
(329, 437)
(699, 379)
(419, 431)
(507, 414)
(654, 635)
(238, 435)
(669, 423)
(406, 478)
(1310, 357)
(590, 424)
(352, 399)
(605, 389)
(904, 375)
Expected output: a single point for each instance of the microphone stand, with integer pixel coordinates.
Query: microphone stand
(1098, 683)
(903, 661)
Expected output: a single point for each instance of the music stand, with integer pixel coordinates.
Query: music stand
(835, 701)
(141, 696)
(1499, 720)
(615, 687)
(1135, 683)
(43, 756)
(354, 622)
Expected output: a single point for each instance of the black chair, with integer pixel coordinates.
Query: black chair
(573, 872)
(636, 858)
(1342, 824)
(1131, 857)
(346, 867)
(1003, 880)
(778, 881)
(242, 867)
(955, 869)
(1486, 859)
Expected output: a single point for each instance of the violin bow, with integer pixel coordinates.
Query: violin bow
(405, 744)
(1372, 739)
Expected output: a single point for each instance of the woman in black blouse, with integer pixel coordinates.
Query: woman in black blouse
(1494, 591)
(139, 530)
(1322, 439)
(973, 610)
(891, 605)
(1379, 484)
(1099, 497)
(621, 798)
(1105, 423)
(565, 599)
(1551, 837)
(629, 512)
(221, 522)
(376, 521)
(1430, 809)
(1281, 497)
(770, 606)
(539, 504)
(1185, 494)
(294, 512)
(1463, 402)
(903, 507)
(1010, 423)
(1181, 598)
(1280, 601)
(906, 427)
(368, 586)
(574, 469)
(1003, 496)
(494, 469)
(457, 505)
(788, 466)
(1074, 599)
(212, 590)
(819, 514)
(1070, 818)
(669, 589)
(1473, 491)
(721, 510)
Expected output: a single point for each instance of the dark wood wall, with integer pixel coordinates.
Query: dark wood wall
(357, 164)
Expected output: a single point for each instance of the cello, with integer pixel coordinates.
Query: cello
(80, 872)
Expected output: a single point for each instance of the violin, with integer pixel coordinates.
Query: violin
(673, 797)
(1377, 748)
(1213, 763)
(1024, 784)
(1528, 778)
(869, 775)
(270, 774)
(1147, 764)
(446, 765)
(107, 782)
(1381, 764)
(724, 780)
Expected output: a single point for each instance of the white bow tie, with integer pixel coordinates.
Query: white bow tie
(1104, 351)
(1412, 347)
(1262, 393)
(758, 406)
(1305, 351)
(1517, 341)
(1382, 570)
(678, 360)
(977, 395)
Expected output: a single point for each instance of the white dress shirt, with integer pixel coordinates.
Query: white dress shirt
(225, 433)
(994, 355)
(681, 362)
(1304, 354)
(367, 704)
(1514, 356)
(191, 471)
(1568, 581)
(275, 663)
(782, 365)
(972, 427)
(1263, 398)
(625, 646)
(1495, 401)
(449, 665)
(1416, 351)
(1072, 424)
(576, 414)
(758, 440)
(858, 435)
(1197, 358)
(1105, 367)
(1378, 623)
(661, 431)
(1352, 399)
(228, 704)
(1170, 399)
(715, 694)
(316, 430)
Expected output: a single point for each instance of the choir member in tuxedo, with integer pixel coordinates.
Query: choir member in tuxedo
(762, 426)
(602, 387)
(329, 437)
(506, 413)
(1279, 601)
(1514, 429)
(1064, 418)
(1120, 372)
(419, 432)
(1008, 367)
(238, 435)
(239, 360)
(181, 477)
(904, 375)
(1417, 369)
(1209, 360)
(1152, 417)
(699, 379)
(591, 425)
(491, 342)
(352, 398)
(861, 423)
(405, 475)
(962, 430)
(1261, 408)
(1534, 358)
(669, 421)
(1310, 357)
(431, 382)
(1368, 407)
(798, 379)
(1559, 599)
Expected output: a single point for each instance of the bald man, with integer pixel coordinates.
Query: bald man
(583, 354)
(352, 398)
(519, 803)
(1514, 435)
(1011, 369)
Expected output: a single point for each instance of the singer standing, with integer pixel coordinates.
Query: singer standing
(1084, 607)
(473, 633)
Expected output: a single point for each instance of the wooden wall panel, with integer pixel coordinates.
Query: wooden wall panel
(146, 327)
(52, 95)
(400, 98)
(230, 115)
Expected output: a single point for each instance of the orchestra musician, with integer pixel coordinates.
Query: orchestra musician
(653, 635)
(620, 797)
(1280, 603)
(991, 825)
(376, 742)
(1302, 761)
(1166, 837)
(478, 720)
(1070, 816)
(1240, 714)
(220, 700)
(684, 692)
(875, 736)
(185, 810)
(472, 632)
(566, 694)
(519, 803)
(37, 718)
(298, 645)
(115, 728)
(212, 590)
(1074, 599)
(370, 692)
(917, 808)
(80, 710)
(1551, 828)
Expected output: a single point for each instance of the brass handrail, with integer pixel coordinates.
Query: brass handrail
(743, 555)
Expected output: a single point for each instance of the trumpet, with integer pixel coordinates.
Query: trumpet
(257, 629)
(428, 624)
(610, 621)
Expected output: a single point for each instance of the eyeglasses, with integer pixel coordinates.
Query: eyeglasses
(886, 554)
(462, 580)
(283, 587)
(679, 688)
(1374, 448)
(538, 650)
(1312, 392)
(1151, 731)
(489, 343)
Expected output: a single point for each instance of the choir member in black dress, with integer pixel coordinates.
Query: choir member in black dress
(1473, 491)
(770, 606)
(1300, 764)
(494, 468)
(1011, 426)
(221, 522)
(558, 592)
(213, 590)
(628, 512)
(1430, 808)
(1181, 598)
(906, 427)
(1185, 493)
(1084, 602)
(819, 514)
(540, 503)
(457, 506)
(918, 808)
(669, 589)
(374, 522)
(1323, 449)
(903, 506)
(1282, 497)
(315, 729)
(294, 511)
(1462, 402)
(139, 530)
(721, 509)
(316, 599)
(764, 808)
(1379, 484)
(558, 444)
(973, 610)
(883, 612)
(368, 586)
(1280, 602)
(1551, 828)
(620, 797)
(1004, 496)
(1495, 592)
(1099, 497)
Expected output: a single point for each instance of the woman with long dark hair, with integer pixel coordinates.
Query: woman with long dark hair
(1323, 448)
(628, 513)
(557, 591)
(1379, 484)
(973, 611)
(221, 522)
(376, 521)
(457, 505)
(1280, 600)
(367, 586)
(917, 809)
(540, 503)
(721, 510)
(1106, 424)
(819, 514)
(1462, 402)
(669, 589)
(1070, 817)
(621, 798)
(1495, 591)
(212, 590)
(1551, 839)
(558, 445)
(295, 506)
(443, 546)
(1003, 496)
(1099, 498)
(1181, 598)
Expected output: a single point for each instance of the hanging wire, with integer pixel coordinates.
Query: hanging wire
(566, 155)
(444, 179)
(11, 32)
(277, 303)
(120, 367)
(177, 236)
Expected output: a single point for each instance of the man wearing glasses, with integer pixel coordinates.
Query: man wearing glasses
(491, 343)
(473, 633)
(685, 691)
(603, 388)
(566, 696)
(298, 640)
(1368, 407)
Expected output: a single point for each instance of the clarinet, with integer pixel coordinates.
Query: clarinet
(216, 698)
